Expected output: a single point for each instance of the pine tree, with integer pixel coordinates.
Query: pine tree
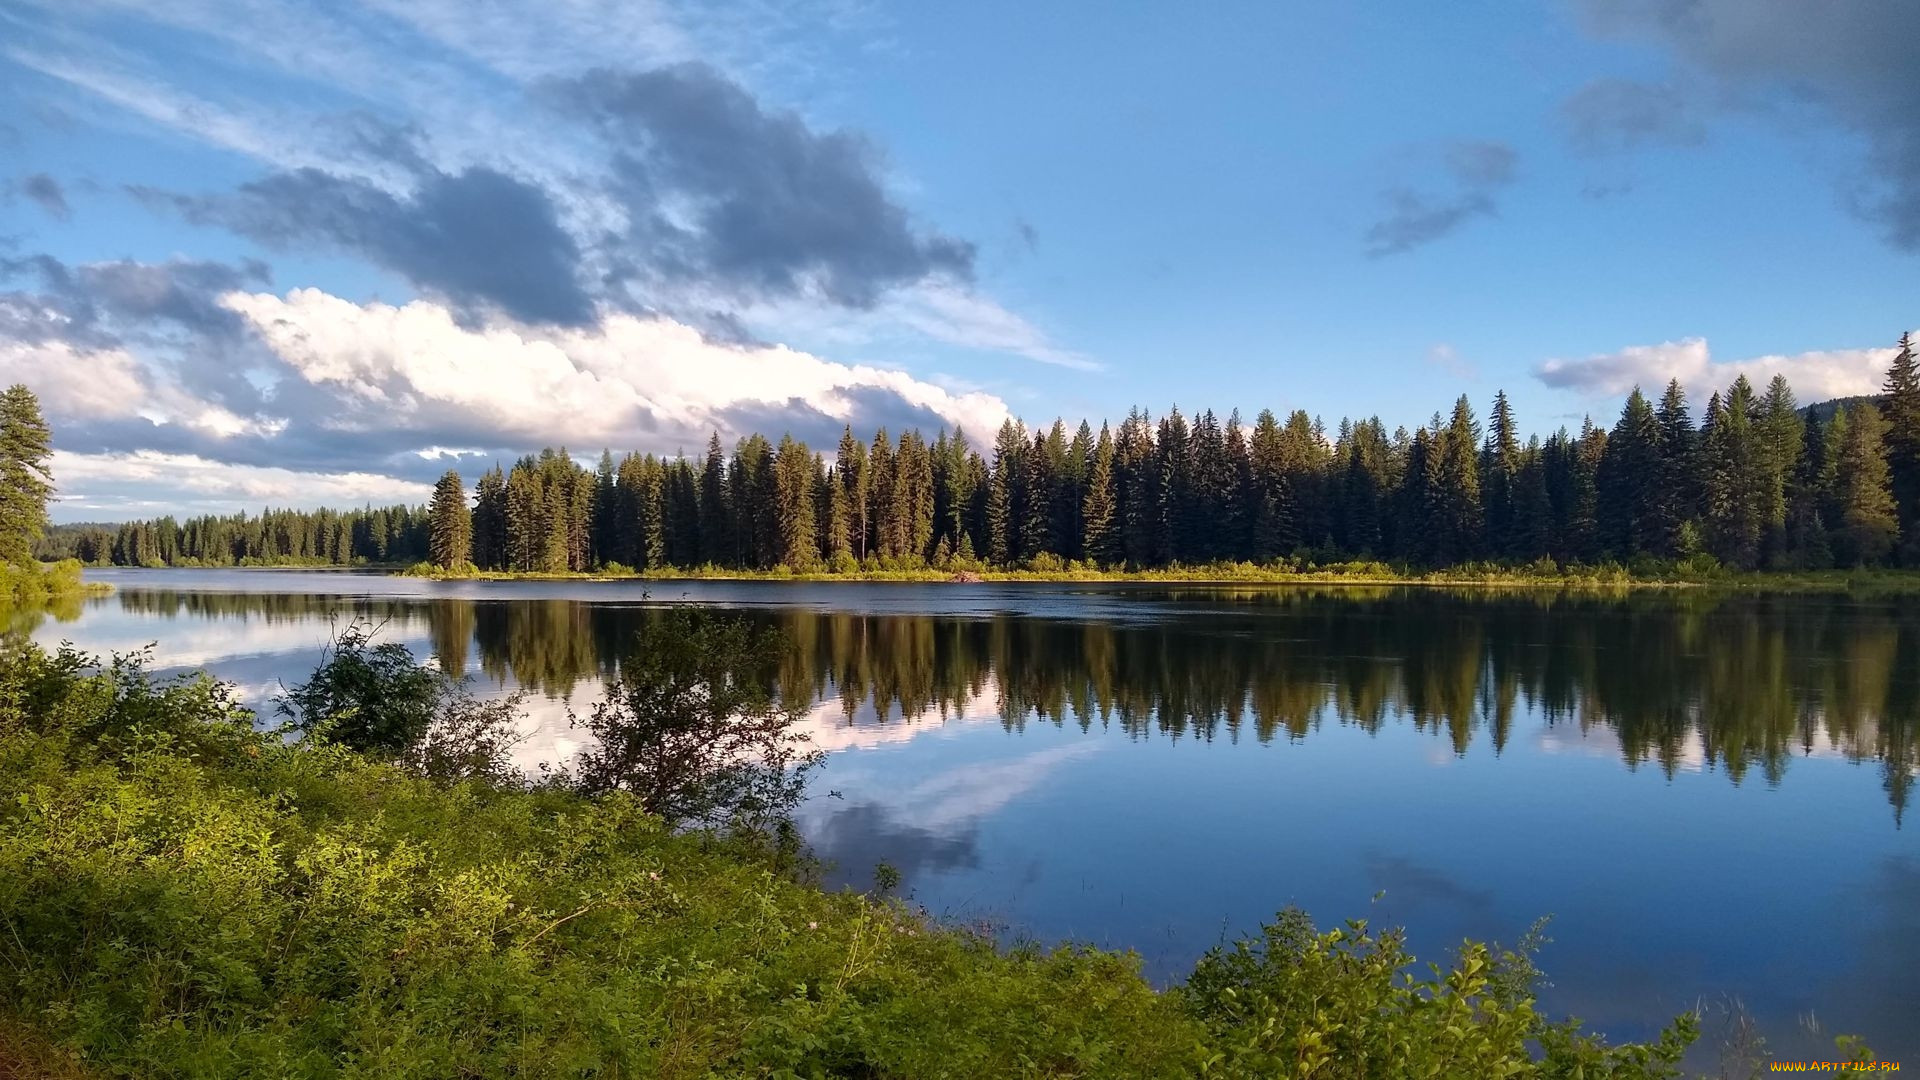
(1035, 503)
(1500, 467)
(716, 517)
(1099, 512)
(1532, 506)
(850, 473)
(1869, 525)
(883, 530)
(1678, 500)
(1004, 493)
(25, 481)
(1902, 414)
(793, 468)
(1458, 518)
(1629, 482)
(451, 524)
(1734, 482)
(1272, 507)
(1780, 430)
(490, 521)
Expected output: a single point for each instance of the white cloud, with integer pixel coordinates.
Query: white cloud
(112, 384)
(1815, 376)
(148, 481)
(627, 381)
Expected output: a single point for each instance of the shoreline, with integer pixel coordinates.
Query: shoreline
(1609, 579)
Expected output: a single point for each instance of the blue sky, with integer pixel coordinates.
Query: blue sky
(292, 252)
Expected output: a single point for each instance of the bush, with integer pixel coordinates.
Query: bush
(690, 726)
(186, 896)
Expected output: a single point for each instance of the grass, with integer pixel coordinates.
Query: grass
(183, 894)
(1543, 574)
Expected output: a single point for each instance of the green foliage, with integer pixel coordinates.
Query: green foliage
(1298, 1003)
(369, 697)
(25, 482)
(1148, 494)
(690, 726)
(185, 895)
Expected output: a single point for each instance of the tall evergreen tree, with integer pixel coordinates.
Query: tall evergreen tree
(1902, 414)
(1004, 498)
(26, 483)
(1869, 525)
(850, 473)
(451, 524)
(1458, 517)
(793, 471)
(716, 517)
(1500, 468)
(1678, 500)
(1100, 512)
(1629, 480)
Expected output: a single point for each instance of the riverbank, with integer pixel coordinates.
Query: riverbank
(187, 895)
(1873, 581)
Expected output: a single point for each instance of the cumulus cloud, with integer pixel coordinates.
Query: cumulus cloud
(140, 482)
(1851, 58)
(747, 199)
(1609, 115)
(478, 238)
(1478, 170)
(628, 380)
(1815, 376)
(185, 362)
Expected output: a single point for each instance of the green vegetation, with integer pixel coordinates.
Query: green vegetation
(26, 483)
(1758, 484)
(186, 894)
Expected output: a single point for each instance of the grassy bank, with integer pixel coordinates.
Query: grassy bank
(1545, 574)
(184, 895)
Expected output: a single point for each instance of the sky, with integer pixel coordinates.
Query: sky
(316, 252)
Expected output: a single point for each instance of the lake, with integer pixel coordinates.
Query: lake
(1705, 792)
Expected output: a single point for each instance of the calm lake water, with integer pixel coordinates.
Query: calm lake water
(1705, 793)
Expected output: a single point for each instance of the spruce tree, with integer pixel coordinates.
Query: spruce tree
(850, 473)
(1004, 493)
(25, 481)
(1458, 511)
(1902, 413)
(1099, 514)
(1500, 467)
(450, 524)
(1274, 534)
(1629, 482)
(1869, 524)
(1678, 499)
(716, 518)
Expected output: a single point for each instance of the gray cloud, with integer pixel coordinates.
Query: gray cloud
(478, 238)
(1609, 115)
(751, 200)
(45, 191)
(1478, 169)
(1852, 58)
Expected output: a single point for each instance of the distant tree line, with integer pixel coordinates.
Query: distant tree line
(389, 534)
(1755, 482)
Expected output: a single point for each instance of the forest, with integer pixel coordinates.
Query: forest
(1758, 482)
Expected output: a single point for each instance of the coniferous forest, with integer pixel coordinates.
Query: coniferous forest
(1750, 480)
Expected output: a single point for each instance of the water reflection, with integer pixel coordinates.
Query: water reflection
(1736, 684)
(1705, 791)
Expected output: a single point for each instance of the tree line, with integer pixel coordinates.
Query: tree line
(1755, 482)
(1662, 672)
(386, 534)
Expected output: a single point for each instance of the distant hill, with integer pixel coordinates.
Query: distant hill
(1823, 411)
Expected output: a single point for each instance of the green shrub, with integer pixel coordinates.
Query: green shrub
(187, 896)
